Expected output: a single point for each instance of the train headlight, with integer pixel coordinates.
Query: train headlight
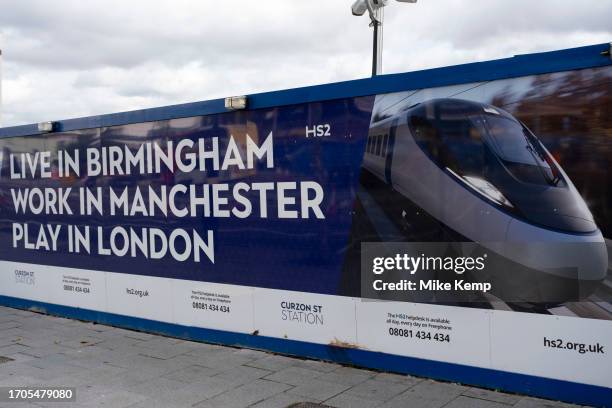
(487, 189)
(484, 187)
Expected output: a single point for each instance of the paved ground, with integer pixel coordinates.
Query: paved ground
(113, 367)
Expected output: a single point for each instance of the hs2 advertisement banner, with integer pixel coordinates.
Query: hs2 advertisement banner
(466, 224)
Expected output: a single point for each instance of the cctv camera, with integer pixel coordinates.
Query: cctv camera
(361, 6)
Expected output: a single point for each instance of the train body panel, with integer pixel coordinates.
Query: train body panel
(555, 252)
(542, 210)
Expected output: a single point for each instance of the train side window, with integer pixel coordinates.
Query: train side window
(368, 144)
(384, 145)
(387, 141)
(378, 144)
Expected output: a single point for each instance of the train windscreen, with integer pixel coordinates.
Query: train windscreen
(520, 151)
(461, 136)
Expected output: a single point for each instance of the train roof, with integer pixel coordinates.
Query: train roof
(449, 105)
(520, 65)
(458, 105)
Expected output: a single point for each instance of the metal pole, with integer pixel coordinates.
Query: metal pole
(377, 46)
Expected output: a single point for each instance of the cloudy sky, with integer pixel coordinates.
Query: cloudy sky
(71, 58)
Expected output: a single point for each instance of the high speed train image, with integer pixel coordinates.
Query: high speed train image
(477, 173)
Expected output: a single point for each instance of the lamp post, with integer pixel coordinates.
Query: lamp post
(376, 12)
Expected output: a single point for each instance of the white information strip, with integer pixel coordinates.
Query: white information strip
(557, 347)
(140, 296)
(323, 319)
(441, 333)
(29, 281)
(213, 306)
(80, 288)
(560, 347)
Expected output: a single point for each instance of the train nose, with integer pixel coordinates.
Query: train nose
(563, 263)
(563, 222)
(582, 256)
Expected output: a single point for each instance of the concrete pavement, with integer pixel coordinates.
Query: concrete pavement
(113, 367)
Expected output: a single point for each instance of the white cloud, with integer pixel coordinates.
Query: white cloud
(72, 58)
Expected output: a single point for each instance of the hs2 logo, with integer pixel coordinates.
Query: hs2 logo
(318, 130)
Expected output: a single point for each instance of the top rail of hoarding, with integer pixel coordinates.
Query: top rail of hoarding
(520, 65)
